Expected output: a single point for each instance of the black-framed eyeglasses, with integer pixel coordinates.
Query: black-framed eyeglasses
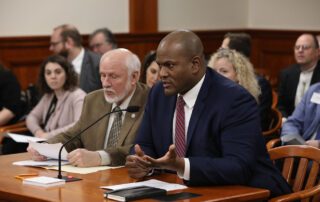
(55, 43)
(303, 47)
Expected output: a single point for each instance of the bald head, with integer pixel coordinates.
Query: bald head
(187, 42)
(181, 61)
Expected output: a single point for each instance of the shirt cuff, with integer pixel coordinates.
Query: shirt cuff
(284, 119)
(105, 158)
(186, 174)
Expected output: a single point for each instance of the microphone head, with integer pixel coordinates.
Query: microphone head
(133, 109)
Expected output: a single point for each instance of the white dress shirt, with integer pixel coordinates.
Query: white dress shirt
(189, 98)
(303, 85)
(105, 156)
(77, 62)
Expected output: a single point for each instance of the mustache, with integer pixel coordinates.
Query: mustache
(109, 90)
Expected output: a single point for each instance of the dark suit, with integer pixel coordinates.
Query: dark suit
(289, 80)
(90, 76)
(224, 140)
(93, 139)
(265, 102)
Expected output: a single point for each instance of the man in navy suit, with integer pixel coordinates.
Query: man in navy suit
(223, 143)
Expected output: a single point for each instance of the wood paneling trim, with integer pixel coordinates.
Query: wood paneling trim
(143, 16)
(271, 50)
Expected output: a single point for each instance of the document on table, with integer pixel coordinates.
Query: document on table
(50, 150)
(73, 169)
(150, 183)
(23, 138)
(39, 163)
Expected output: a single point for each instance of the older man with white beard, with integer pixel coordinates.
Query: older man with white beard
(103, 143)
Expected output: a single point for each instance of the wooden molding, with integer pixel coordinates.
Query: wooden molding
(272, 50)
(143, 16)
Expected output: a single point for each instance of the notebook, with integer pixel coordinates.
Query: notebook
(44, 181)
(134, 193)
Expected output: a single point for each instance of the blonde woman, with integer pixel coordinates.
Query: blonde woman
(237, 68)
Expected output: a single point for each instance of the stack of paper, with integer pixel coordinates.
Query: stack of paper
(44, 181)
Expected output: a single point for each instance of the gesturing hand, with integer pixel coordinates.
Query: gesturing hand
(135, 164)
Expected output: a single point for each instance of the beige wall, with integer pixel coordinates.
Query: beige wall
(284, 14)
(202, 14)
(38, 17)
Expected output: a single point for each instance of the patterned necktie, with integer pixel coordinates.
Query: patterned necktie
(115, 129)
(180, 141)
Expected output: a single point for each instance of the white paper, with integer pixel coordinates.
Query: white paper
(150, 183)
(50, 150)
(24, 138)
(315, 98)
(72, 169)
(39, 163)
(44, 181)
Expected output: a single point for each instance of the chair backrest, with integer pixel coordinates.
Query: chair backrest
(275, 124)
(307, 168)
(274, 99)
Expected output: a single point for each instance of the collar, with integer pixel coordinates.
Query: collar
(190, 97)
(125, 103)
(79, 58)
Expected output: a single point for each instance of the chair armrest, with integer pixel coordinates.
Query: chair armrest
(297, 195)
(3, 129)
(273, 143)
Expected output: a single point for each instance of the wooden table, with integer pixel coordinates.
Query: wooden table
(89, 190)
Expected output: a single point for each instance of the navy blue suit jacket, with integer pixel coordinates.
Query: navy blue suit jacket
(224, 140)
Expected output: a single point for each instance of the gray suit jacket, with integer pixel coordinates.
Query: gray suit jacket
(95, 106)
(90, 76)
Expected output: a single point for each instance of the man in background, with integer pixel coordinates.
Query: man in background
(241, 42)
(296, 79)
(67, 41)
(109, 140)
(102, 40)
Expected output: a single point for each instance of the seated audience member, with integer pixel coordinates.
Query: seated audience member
(318, 38)
(109, 140)
(201, 124)
(237, 68)
(241, 42)
(296, 79)
(10, 93)
(305, 119)
(61, 103)
(102, 40)
(151, 69)
(66, 41)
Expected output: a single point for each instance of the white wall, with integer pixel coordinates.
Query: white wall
(202, 14)
(39, 17)
(284, 14)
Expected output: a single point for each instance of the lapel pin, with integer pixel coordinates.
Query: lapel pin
(133, 116)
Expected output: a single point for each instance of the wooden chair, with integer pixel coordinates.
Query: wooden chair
(273, 143)
(304, 184)
(274, 99)
(275, 125)
(14, 128)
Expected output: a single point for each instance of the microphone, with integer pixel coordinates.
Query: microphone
(69, 178)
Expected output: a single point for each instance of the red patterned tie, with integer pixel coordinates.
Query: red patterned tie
(180, 141)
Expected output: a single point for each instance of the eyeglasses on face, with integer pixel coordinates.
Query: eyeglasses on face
(97, 45)
(303, 47)
(55, 43)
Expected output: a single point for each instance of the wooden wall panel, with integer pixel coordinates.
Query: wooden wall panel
(272, 50)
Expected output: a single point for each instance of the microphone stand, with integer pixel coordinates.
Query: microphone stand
(70, 178)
